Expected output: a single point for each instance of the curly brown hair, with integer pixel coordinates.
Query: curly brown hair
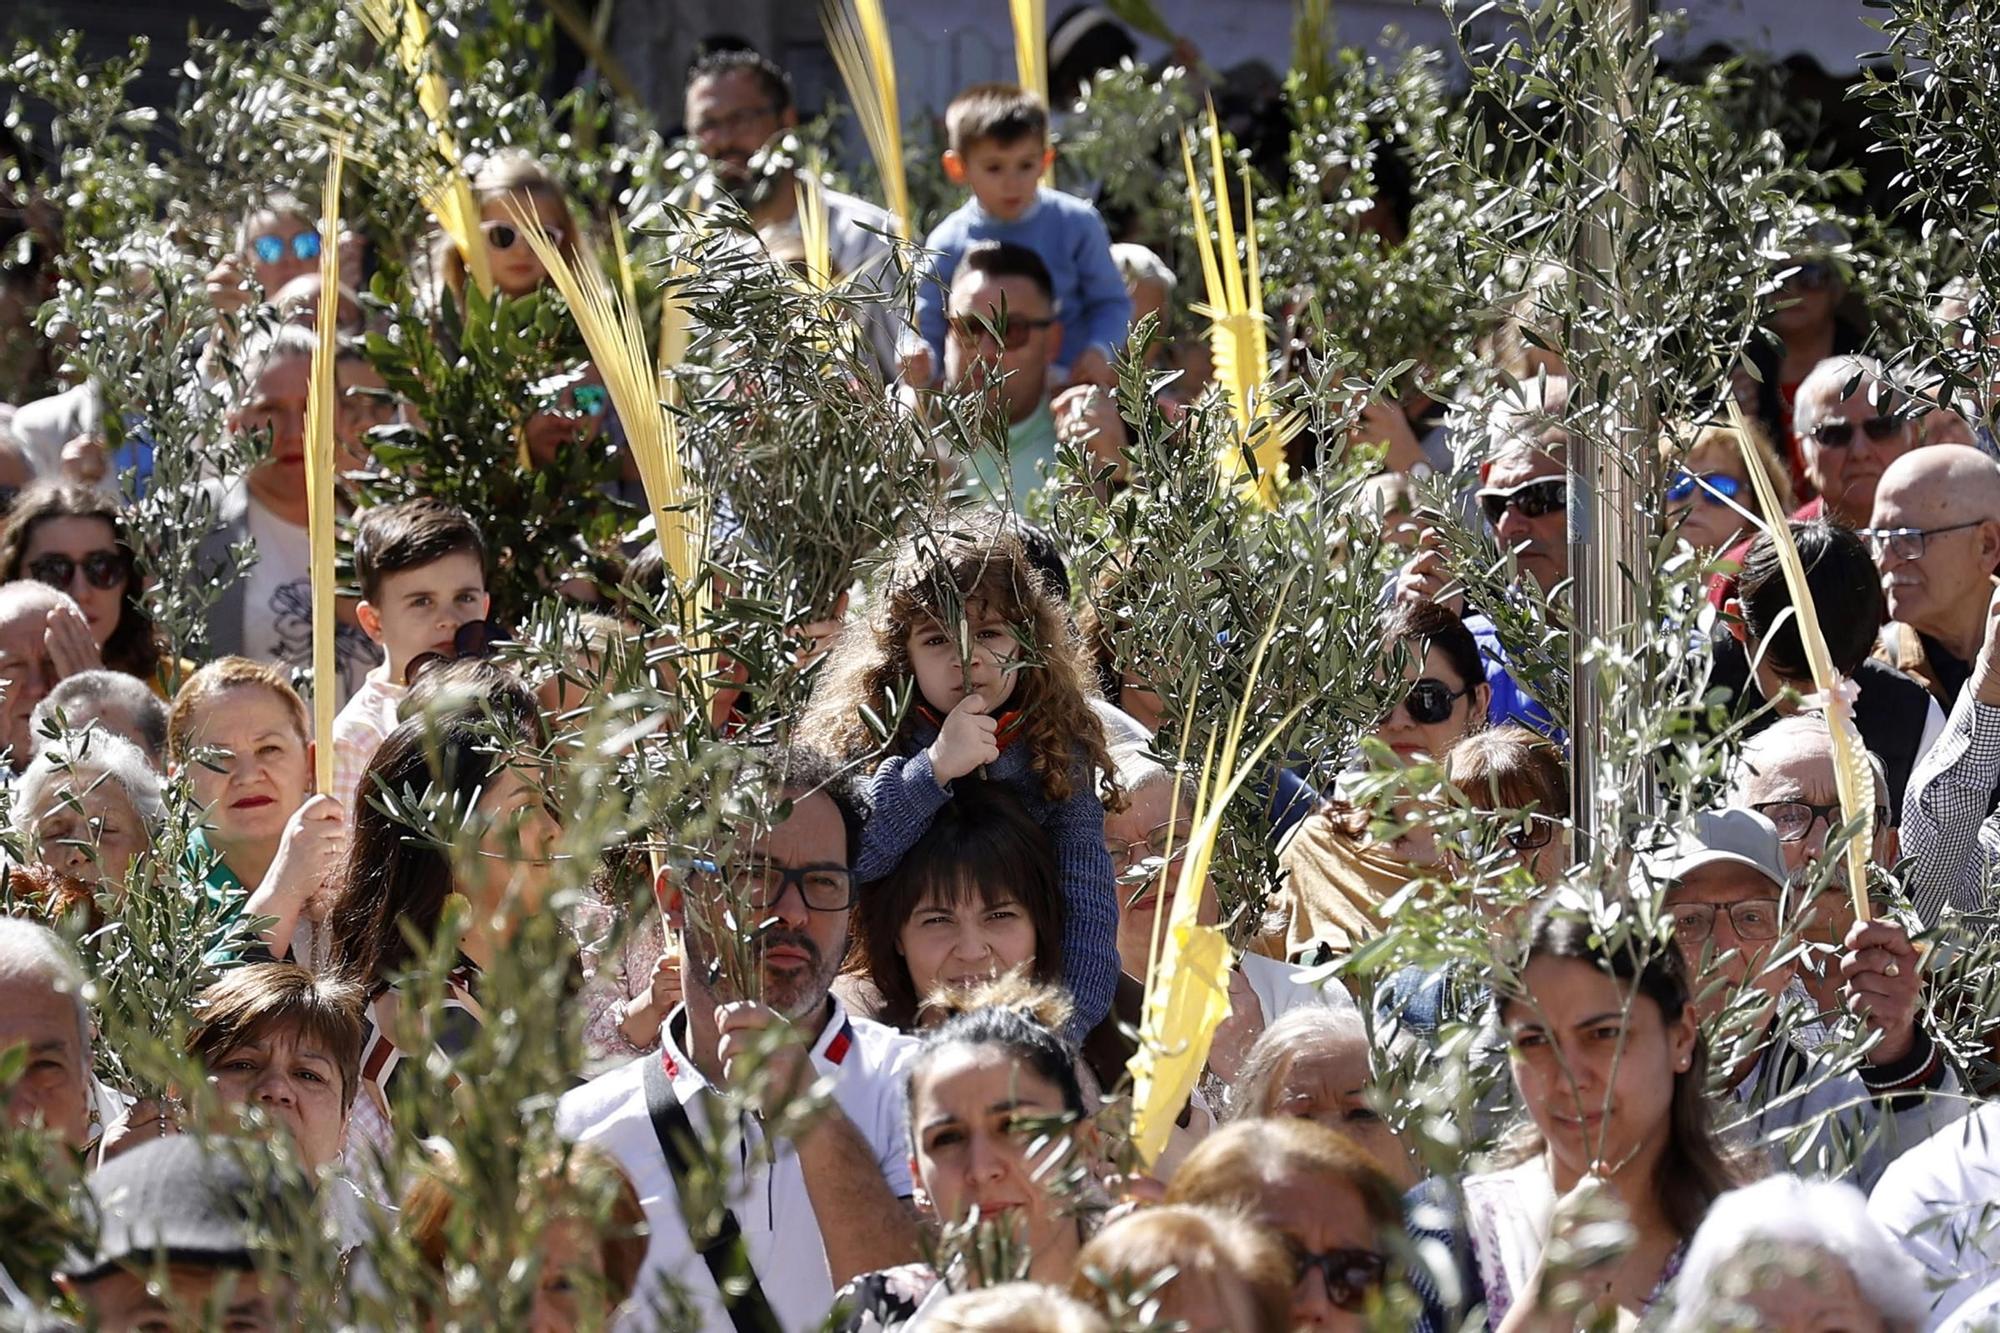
(942, 571)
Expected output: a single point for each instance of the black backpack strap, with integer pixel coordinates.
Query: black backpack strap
(725, 1253)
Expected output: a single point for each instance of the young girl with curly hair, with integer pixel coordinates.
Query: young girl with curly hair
(977, 660)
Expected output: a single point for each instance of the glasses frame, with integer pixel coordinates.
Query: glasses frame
(1451, 697)
(1830, 814)
(788, 877)
(1908, 543)
(1719, 485)
(1880, 429)
(1494, 502)
(1342, 1290)
(1775, 905)
(492, 228)
(102, 570)
(971, 330)
(304, 246)
(729, 123)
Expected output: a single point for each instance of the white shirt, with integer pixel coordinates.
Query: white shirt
(865, 1062)
(277, 606)
(1938, 1200)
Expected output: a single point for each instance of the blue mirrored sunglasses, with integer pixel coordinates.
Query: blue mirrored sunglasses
(1715, 483)
(270, 247)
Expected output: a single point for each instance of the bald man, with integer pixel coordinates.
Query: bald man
(1935, 534)
(1852, 424)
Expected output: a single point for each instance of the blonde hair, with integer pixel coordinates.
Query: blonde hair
(1680, 443)
(510, 171)
(1013, 1307)
(1221, 1248)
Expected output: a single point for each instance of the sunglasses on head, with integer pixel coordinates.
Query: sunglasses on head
(1840, 434)
(103, 570)
(1531, 499)
(1719, 484)
(1430, 701)
(502, 235)
(270, 247)
(1349, 1274)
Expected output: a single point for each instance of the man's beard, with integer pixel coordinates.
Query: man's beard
(748, 186)
(793, 993)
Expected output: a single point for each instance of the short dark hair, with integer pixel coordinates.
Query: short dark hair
(722, 62)
(1421, 625)
(251, 1001)
(1846, 592)
(800, 771)
(1000, 113)
(1004, 259)
(392, 538)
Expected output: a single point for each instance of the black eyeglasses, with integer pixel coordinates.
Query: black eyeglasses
(1531, 499)
(1430, 701)
(823, 887)
(103, 570)
(1908, 543)
(1012, 330)
(1753, 919)
(1840, 434)
(1794, 819)
(1349, 1274)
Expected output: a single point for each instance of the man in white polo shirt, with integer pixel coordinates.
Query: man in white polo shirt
(816, 1204)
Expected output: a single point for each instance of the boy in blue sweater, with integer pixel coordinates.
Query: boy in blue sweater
(999, 137)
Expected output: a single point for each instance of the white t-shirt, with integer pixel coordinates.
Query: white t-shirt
(1938, 1199)
(865, 1062)
(277, 606)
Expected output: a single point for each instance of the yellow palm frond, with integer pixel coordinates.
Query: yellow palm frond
(858, 37)
(1235, 310)
(1854, 778)
(814, 231)
(321, 410)
(1031, 51)
(449, 199)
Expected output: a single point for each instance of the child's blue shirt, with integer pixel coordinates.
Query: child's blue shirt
(904, 796)
(1070, 237)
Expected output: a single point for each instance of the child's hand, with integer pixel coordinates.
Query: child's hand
(967, 740)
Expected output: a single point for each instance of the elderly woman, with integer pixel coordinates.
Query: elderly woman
(1709, 495)
(87, 806)
(1314, 1064)
(1792, 1256)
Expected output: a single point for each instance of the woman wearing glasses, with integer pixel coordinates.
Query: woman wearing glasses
(510, 182)
(1710, 501)
(1338, 871)
(71, 537)
(1322, 1195)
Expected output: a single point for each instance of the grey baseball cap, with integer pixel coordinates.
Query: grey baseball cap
(180, 1198)
(1729, 836)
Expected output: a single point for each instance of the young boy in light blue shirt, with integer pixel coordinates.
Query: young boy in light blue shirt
(999, 148)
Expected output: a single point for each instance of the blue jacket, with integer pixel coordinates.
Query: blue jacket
(904, 796)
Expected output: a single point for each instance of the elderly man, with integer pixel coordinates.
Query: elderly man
(1936, 535)
(36, 622)
(827, 1200)
(1951, 831)
(42, 1008)
(1726, 884)
(737, 103)
(113, 702)
(1852, 423)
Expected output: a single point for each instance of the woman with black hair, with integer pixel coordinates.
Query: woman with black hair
(72, 537)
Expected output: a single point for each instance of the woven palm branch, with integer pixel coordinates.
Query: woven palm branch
(858, 36)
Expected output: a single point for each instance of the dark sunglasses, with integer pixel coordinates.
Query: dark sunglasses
(1013, 330)
(1349, 1274)
(270, 247)
(1430, 701)
(502, 235)
(1719, 484)
(1810, 277)
(1532, 499)
(1840, 434)
(103, 570)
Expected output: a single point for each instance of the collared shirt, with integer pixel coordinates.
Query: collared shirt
(865, 1063)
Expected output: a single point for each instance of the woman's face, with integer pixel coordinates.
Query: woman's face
(261, 768)
(948, 943)
(294, 1080)
(516, 271)
(93, 835)
(81, 556)
(1329, 1082)
(1595, 1064)
(1137, 839)
(1322, 1218)
(1436, 711)
(1706, 523)
(517, 845)
(979, 1120)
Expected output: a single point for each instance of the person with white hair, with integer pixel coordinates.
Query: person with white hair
(42, 1008)
(1148, 281)
(1853, 421)
(115, 702)
(87, 806)
(1787, 1255)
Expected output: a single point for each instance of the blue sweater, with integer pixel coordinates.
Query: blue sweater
(903, 797)
(1070, 238)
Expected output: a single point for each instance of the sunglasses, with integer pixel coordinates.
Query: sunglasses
(270, 247)
(1718, 484)
(103, 570)
(1532, 499)
(1430, 701)
(502, 235)
(1349, 1274)
(1840, 434)
(1810, 277)
(1013, 330)
(593, 400)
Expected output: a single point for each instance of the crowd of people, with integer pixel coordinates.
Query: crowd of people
(859, 1051)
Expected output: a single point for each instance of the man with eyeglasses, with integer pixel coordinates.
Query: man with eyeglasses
(737, 104)
(1852, 422)
(1935, 534)
(819, 1194)
(1727, 900)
